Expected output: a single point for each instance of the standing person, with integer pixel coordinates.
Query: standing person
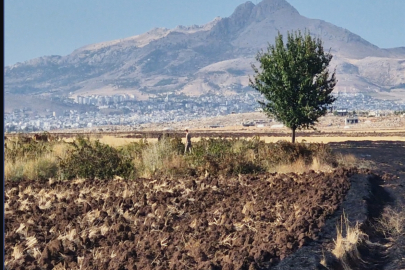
(188, 142)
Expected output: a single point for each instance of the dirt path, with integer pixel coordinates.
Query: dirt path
(388, 160)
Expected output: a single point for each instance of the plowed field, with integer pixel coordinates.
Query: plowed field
(248, 222)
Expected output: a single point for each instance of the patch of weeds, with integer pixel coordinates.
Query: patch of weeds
(92, 159)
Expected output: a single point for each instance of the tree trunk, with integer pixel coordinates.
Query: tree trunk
(293, 135)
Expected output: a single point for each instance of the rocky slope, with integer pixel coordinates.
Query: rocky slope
(214, 57)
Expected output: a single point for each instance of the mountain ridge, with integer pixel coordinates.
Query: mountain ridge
(215, 56)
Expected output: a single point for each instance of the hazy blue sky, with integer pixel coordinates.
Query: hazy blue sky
(34, 28)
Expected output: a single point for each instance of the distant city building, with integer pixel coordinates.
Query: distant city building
(352, 120)
(342, 112)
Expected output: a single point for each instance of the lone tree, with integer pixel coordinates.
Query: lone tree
(295, 81)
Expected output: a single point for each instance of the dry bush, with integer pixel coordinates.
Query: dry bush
(300, 166)
(322, 154)
(297, 166)
(24, 147)
(284, 152)
(38, 168)
(175, 166)
(42, 168)
(347, 241)
(13, 170)
(32, 160)
(285, 157)
(319, 165)
(392, 223)
(159, 157)
(134, 150)
(222, 156)
(350, 161)
(240, 156)
(238, 146)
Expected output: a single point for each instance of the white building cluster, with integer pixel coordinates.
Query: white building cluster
(99, 100)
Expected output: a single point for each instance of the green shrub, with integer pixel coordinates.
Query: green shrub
(25, 159)
(240, 156)
(92, 159)
(224, 156)
(284, 152)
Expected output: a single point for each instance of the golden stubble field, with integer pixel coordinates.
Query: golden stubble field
(329, 129)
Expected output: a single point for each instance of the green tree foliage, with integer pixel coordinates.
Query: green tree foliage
(295, 80)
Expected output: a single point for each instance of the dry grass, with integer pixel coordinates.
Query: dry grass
(13, 171)
(38, 168)
(18, 252)
(323, 261)
(174, 164)
(347, 242)
(350, 160)
(157, 156)
(299, 166)
(60, 149)
(392, 223)
(115, 141)
(238, 146)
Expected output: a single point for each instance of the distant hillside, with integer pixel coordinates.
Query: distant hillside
(215, 57)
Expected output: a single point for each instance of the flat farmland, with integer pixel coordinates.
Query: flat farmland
(241, 221)
(329, 129)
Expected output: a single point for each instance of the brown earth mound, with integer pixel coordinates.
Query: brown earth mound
(251, 222)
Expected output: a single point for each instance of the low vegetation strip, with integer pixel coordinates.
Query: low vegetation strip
(242, 222)
(86, 157)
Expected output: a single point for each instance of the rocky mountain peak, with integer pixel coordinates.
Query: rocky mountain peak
(269, 7)
(275, 4)
(243, 10)
(248, 13)
(201, 58)
(242, 14)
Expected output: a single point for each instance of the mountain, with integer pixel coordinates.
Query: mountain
(215, 57)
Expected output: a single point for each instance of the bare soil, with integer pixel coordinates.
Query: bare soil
(251, 222)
